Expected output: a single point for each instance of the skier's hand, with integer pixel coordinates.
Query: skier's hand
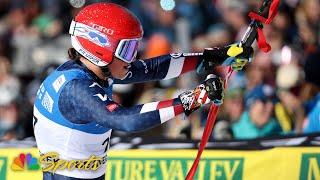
(232, 55)
(210, 90)
(238, 56)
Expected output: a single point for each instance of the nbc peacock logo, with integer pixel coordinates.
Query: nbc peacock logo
(25, 162)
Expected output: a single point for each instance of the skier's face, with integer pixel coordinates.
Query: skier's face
(118, 68)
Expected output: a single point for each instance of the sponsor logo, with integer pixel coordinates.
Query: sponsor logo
(103, 29)
(175, 55)
(89, 56)
(111, 107)
(25, 162)
(3, 167)
(310, 166)
(51, 162)
(145, 66)
(40, 91)
(99, 39)
(214, 85)
(47, 102)
(93, 35)
(173, 168)
(192, 54)
(57, 84)
(103, 98)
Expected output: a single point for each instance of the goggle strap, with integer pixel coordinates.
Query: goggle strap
(72, 27)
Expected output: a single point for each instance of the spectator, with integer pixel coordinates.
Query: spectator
(9, 91)
(311, 68)
(257, 120)
(33, 34)
(289, 110)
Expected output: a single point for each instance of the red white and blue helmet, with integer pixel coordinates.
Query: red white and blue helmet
(101, 31)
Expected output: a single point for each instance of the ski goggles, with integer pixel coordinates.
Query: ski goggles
(127, 49)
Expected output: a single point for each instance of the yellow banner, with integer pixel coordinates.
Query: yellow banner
(274, 164)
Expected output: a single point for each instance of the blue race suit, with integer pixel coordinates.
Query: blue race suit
(74, 113)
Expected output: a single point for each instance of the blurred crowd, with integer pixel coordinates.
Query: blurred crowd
(276, 94)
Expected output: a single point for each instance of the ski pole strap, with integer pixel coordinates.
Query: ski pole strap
(212, 116)
(262, 43)
(272, 13)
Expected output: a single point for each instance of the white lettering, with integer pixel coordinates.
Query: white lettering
(103, 98)
(192, 54)
(145, 66)
(95, 84)
(128, 75)
(47, 102)
(57, 84)
(103, 29)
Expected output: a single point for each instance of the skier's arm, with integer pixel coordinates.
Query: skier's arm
(158, 68)
(84, 101)
(173, 65)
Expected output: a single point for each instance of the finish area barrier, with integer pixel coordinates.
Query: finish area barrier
(276, 163)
